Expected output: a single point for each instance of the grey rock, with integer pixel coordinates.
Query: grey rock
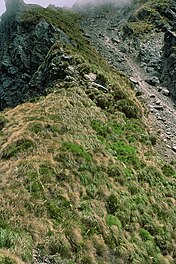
(138, 91)
(69, 79)
(153, 80)
(100, 87)
(174, 148)
(168, 146)
(168, 76)
(21, 59)
(134, 80)
(158, 107)
(149, 69)
(90, 77)
(165, 92)
(115, 40)
(158, 102)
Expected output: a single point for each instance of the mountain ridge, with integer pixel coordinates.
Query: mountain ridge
(84, 174)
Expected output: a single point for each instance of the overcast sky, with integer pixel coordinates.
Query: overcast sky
(41, 2)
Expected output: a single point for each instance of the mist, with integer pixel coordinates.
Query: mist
(82, 3)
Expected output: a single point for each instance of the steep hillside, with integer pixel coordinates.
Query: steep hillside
(81, 179)
(133, 40)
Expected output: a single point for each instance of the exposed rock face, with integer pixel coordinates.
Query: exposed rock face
(141, 57)
(23, 49)
(26, 69)
(12, 5)
(169, 62)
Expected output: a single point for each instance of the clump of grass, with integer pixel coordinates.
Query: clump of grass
(102, 129)
(112, 204)
(137, 28)
(112, 220)
(104, 101)
(168, 170)
(3, 121)
(59, 245)
(19, 146)
(115, 172)
(145, 235)
(76, 150)
(11, 240)
(150, 174)
(118, 94)
(47, 173)
(34, 185)
(153, 140)
(7, 260)
(36, 128)
(129, 108)
(126, 153)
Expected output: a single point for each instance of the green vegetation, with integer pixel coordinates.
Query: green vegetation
(16, 242)
(113, 221)
(20, 145)
(7, 260)
(128, 108)
(137, 28)
(126, 153)
(81, 187)
(149, 15)
(68, 21)
(3, 121)
(76, 149)
(81, 181)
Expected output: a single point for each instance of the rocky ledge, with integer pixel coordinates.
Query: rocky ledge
(23, 49)
(169, 62)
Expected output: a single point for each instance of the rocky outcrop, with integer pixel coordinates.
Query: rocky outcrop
(169, 62)
(23, 49)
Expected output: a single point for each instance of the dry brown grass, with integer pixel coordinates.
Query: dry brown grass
(11, 256)
(68, 209)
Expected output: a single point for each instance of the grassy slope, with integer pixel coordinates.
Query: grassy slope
(149, 15)
(80, 180)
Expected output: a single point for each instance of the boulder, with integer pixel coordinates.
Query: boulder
(154, 81)
(174, 148)
(166, 92)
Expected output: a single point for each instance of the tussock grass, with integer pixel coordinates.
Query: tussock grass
(86, 189)
(80, 179)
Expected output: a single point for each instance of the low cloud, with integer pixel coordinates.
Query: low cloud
(100, 2)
